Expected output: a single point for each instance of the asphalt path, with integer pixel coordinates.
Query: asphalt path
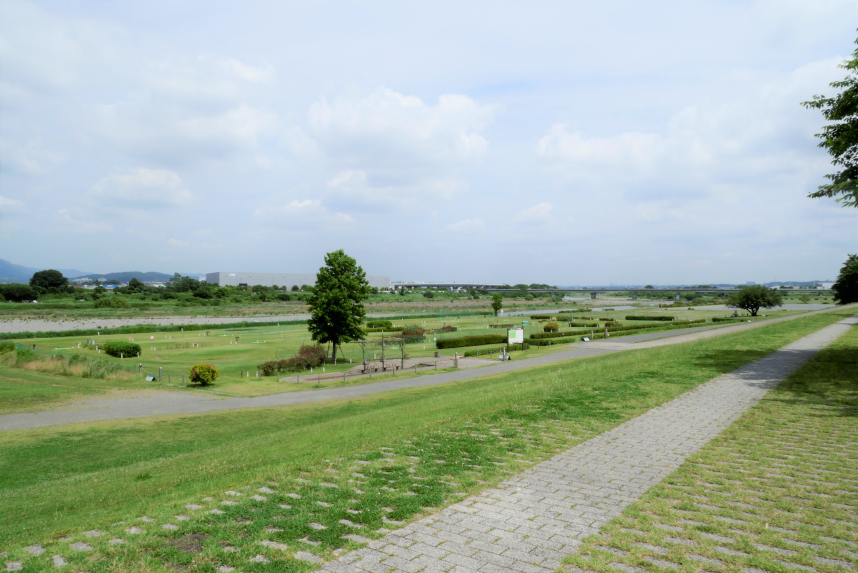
(161, 403)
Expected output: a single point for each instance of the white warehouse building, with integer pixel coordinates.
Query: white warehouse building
(287, 280)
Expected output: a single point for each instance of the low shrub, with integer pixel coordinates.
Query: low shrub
(580, 324)
(7, 346)
(729, 318)
(553, 341)
(544, 335)
(309, 356)
(551, 327)
(121, 349)
(483, 352)
(103, 303)
(379, 324)
(447, 328)
(477, 340)
(506, 325)
(608, 319)
(203, 374)
(413, 331)
(540, 316)
(654, 317)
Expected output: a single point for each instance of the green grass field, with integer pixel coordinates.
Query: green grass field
(457, 438)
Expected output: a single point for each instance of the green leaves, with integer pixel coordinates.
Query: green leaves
(336, 305)
(840, 138)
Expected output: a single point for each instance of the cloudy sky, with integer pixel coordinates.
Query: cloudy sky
(559, 142)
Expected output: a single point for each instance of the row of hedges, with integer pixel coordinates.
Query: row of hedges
(549, 335)
(553, 341)
(591, 324)
(540, 316)
(654, 317)
(379, 324)
(501, 325)
(728, 319)
(386, 329)
(121, 349)
(477, 340)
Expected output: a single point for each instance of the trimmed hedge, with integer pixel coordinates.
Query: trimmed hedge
(590, 324)
(553, 341)
(379, 324)
(654, 317)
(119, 348)
(540, 316)
(477, 340)
(551, 327)
(543, 335)
(501, 325)
(729, 319)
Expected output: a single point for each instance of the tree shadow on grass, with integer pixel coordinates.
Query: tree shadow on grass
(828, 384)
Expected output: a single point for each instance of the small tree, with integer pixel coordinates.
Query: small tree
(49, 279)
(846, 287)
(336, 303)
(752, 298)
(497, 303)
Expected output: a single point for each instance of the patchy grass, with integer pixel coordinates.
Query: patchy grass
(324, 471)
(776, 492)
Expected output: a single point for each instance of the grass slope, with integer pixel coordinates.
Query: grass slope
(385, 459)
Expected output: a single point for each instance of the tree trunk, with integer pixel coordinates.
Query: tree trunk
(335, 352)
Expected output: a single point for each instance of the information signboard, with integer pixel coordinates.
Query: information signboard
(515, 335)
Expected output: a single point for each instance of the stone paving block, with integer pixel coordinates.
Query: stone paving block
(558, 502)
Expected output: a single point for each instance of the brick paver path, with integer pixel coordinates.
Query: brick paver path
(533, 520)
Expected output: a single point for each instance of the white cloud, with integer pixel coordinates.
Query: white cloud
(10, 205)
(474, 225)
(77, 220)
(537, 214)
(303, 212)
(388, 134)
(141, 188)
(176, 243)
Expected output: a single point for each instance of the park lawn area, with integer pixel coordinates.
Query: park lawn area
(175, 354)
(777, 491)
(377, 461)
(23, 390)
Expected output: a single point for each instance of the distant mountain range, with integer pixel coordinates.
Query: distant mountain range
(12, 273)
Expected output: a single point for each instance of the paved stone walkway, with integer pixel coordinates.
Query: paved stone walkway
(532, 521)
(159, 403)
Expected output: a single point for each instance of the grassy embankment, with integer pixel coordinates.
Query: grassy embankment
(777, 491)
(426, 447)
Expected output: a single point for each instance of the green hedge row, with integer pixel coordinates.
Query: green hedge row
(483, 352)
(501, 325)
(386, 329)
(553, 341)
(654, 317)
(121, 349)
(544, 335)
(540, 316)
(477, 340)
(379, 324)
(729, 319)
(583, 324)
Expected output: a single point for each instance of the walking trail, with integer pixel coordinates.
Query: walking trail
(530, 522)
(161, 403)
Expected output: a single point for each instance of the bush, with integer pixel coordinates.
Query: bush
(551, 327)
(118, 348)
(6, 346)
(309, 356)
(429, 294)
(505, 325)
(477, 340)
(447, 328)
(553, 341)
(413, 331)
(285, 297)
(386, 329)
(581, 324)
(119, 302)
(542, 335)
(203, 374)
(103, 303)
(661, 318)
(379, 324)
(540, 317)
(15, 292)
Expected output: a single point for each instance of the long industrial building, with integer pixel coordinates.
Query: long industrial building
(287, 280)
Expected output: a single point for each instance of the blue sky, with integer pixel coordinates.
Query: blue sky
(557, 142)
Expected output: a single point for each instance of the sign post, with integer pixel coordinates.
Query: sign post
(515, 336)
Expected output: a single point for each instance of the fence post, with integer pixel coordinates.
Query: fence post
(344, 377)
(160, 373)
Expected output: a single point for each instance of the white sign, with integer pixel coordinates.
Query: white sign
(515, 335)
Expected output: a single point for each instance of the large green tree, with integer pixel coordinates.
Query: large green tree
(840, 136)
(336, 305)
(753, 298)
(846, 287)
(49, 279)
